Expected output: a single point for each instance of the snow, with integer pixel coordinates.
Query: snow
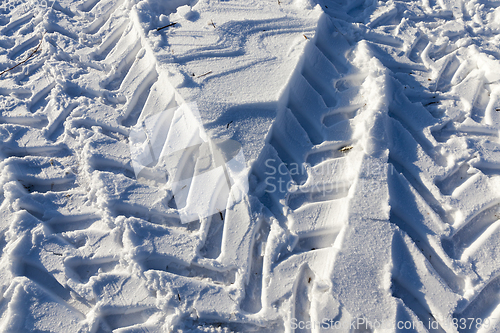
(242, 166)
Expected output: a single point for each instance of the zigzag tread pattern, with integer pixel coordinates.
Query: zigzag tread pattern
(441, 99)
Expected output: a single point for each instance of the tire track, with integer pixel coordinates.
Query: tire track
(51, 177)
(309, 150)
(453, 82)
(444, 106)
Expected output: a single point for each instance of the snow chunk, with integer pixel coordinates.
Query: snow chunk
(304, 4)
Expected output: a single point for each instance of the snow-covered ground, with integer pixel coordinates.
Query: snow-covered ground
(258, 165)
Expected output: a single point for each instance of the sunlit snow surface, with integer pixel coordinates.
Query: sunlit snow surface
(250, 166)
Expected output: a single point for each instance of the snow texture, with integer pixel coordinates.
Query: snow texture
(250, 166)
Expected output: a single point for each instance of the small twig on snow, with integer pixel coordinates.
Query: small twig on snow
(202, 75)
(168, 25)
(28, 58)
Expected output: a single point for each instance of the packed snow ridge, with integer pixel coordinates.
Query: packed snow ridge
(250, 166)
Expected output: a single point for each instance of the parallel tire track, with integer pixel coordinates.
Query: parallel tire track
(47, 190)
(453, 236)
